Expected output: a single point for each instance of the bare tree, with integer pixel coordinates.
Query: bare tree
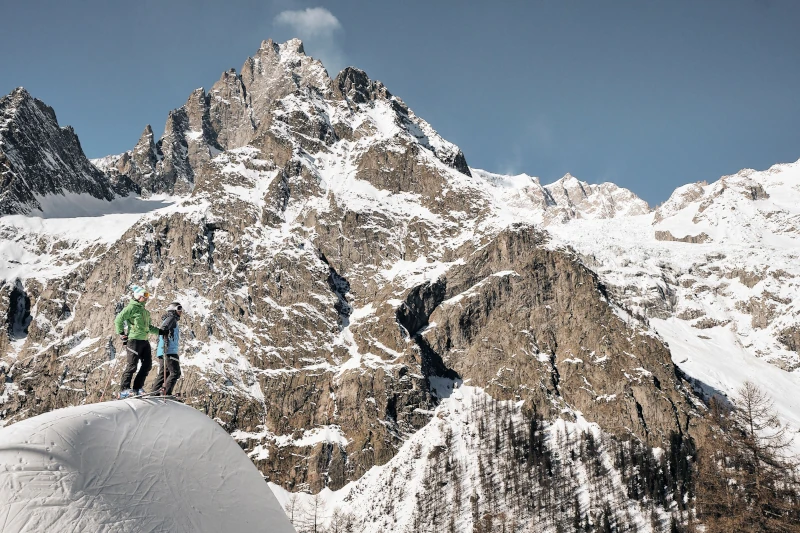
(314, 515)
(747, 476)
(764, 439)
(291, 507)
(338, 521)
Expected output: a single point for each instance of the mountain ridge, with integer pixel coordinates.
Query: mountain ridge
(40, 158)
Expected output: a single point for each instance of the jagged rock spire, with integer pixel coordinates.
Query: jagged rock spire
(140, 163)
(354, 85)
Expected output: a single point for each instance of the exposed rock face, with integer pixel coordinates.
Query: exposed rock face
(513, 320)
(668, 236)
(354, 85)
(230, 112)
(790, 337)
(39, 158)
(276, 71)
(139, 164)
(186, 145)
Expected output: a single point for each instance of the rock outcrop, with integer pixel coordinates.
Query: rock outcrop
(693, 239)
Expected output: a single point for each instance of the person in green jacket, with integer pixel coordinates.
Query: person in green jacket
(137, 318)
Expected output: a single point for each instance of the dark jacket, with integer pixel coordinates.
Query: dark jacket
(169, 343)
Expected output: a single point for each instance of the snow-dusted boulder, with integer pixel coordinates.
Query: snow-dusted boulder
(133, 466)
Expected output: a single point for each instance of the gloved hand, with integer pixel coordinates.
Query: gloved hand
(124, 339)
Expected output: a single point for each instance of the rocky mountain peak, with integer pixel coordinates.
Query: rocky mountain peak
(268, 45)
(277, 70)
(279, 84)
(604, 200)
(20, 103)
(138, 164)
(19, 93)
(729, 209)
(196, 111)
(291, 49)
(354, 85)
(231, 113)
(292, 46)
(146, 142)
(38, 158)
(569, 187)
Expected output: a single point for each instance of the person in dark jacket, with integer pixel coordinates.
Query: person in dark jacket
(137, 345)
(169, 368)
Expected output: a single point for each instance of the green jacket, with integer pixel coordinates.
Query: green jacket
(138, 319)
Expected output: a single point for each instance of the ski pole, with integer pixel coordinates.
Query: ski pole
(164, 362)
(113, 366)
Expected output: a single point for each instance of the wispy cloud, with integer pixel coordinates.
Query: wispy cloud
(536, 138)
(313, 21)
(320, 31)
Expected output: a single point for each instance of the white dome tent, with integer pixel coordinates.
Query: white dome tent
(134, 465)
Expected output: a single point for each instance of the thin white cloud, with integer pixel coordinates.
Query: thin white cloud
(320, 30)
(312, 21)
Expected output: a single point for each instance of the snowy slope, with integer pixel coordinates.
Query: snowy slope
(464, 463)
(722, 305)
(132, 466)
(70, 228)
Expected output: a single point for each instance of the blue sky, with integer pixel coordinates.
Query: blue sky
(650, 95)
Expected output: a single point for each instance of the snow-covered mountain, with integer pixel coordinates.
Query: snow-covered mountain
(715, 271)
(563, 200)
(366, 314)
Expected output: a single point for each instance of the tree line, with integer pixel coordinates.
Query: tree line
(529, 475)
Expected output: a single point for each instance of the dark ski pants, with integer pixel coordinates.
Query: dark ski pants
(173, 373)
(137, 350)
